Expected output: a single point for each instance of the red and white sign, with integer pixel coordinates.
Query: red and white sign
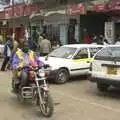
(114, 5)
(99, 8)
(21, 10)
(78, 9)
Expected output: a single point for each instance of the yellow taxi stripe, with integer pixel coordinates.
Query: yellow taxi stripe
(83, 60)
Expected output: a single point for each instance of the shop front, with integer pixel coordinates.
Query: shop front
(56, 26)
(18, 22)
(113, 9)
(74, 29)
(91, 21)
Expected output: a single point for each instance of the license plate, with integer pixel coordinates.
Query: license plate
(112, 70)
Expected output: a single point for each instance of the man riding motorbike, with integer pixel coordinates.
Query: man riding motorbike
(22, 58)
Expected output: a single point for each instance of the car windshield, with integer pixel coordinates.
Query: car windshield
(63, 52)
(109, 53)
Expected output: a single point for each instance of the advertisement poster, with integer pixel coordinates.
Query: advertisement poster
(63, 33)
(77, 33)
(109, 31)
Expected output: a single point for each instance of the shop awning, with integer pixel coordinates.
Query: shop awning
(40, 15)
(62, 12)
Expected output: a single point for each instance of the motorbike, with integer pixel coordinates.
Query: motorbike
(36, 90)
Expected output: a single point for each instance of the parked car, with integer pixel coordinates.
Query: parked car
(70, 60)
(105, 69)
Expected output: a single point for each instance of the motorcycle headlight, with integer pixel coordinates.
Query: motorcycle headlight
(41, 74)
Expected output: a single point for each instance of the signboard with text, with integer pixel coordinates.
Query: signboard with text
(78, 9)
(109, 31)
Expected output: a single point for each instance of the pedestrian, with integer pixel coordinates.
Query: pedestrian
(7, 53)
(105, 42)
(100, 40)
(86, 37)
(55, 45)
(39, 41)
(94, 40)
(45, 46)
(32, 45)
(117, 41)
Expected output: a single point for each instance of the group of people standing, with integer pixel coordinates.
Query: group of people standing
(43, 46)
(103, 41)
(99, 40)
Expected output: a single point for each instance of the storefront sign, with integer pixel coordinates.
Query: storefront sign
(99, 8)
(78, 9)
(21, 10)
(114, 5)
(109, 31)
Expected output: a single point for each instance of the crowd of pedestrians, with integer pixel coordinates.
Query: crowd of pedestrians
(102, 40)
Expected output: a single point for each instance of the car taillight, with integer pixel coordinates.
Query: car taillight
(90, 66)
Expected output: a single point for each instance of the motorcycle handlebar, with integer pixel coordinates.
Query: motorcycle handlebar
(45, 66)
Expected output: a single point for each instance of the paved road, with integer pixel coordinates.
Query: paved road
(75, 100)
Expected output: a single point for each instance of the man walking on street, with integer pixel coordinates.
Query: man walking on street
(45, 47)
(7, 53)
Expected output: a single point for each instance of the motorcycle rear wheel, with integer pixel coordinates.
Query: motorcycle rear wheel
(47, 107)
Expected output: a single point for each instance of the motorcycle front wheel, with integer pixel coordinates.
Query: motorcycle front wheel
(46, 107)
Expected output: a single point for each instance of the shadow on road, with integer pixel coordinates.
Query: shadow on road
(72, 79)
(78, 78)
(111, 93)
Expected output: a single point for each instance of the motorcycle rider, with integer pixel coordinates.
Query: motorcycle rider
(24, 57)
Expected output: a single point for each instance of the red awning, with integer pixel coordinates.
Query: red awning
(114, 5)
(78, 9)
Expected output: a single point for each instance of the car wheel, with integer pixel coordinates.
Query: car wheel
(62, 76)
(102, 87)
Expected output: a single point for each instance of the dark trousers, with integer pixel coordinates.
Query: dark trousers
(24, 78)
(5, 62)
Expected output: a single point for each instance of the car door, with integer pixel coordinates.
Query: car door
(80, 62)
(93, 51)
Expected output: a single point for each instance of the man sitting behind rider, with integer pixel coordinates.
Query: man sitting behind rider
(24, 57)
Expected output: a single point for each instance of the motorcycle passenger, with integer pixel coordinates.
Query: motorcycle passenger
(24, 57)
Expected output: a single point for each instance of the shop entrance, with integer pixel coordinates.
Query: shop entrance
(93, 23)
(117, 30)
